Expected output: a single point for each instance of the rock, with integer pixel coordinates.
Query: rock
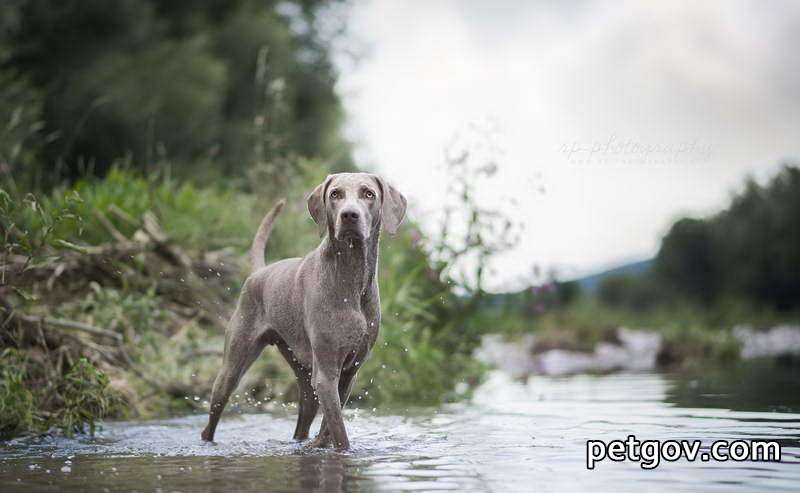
(636, 351)
(781, 340)
(513, 358)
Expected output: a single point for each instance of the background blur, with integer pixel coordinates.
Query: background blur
(570, 172)
(610, 121)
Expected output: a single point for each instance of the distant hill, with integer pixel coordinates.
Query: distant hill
(586, 285)
(589, 284)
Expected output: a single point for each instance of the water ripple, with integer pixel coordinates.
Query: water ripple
(514, 436)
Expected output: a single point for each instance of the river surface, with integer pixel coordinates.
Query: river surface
(513, 435)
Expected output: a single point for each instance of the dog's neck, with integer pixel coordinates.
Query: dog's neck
(353, 263)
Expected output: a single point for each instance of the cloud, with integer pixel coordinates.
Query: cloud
(721, 77)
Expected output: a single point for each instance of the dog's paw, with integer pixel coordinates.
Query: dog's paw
(207, 437)
(319, 442)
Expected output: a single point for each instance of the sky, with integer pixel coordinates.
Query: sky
(609, 120)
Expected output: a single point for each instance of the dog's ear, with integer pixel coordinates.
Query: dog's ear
(393, 206)
(316, 206)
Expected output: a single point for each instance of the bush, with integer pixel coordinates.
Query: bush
(424, 349)
(35, 395)
(17, 406)
(635, 291)
(84, 391)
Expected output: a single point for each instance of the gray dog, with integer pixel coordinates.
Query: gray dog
(322, 311)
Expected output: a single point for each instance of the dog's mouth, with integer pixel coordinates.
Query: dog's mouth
(351, 236)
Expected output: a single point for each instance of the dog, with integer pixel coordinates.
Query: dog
(322, 311)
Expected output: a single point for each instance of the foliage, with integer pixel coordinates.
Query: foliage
(35, 395)
(85, 399)
(225, 215)
(742, 261)
(472, 232)
(750, 250)
(632, 291)
(163, 82)
(426, 340)
(17, 404)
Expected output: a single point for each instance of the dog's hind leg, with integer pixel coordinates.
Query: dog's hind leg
(243, 344)
(308, 405)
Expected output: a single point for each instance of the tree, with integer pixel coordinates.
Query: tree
(751, 250)
(150, 81)
(686, 260)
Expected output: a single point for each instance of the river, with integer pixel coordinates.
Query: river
(513, 435)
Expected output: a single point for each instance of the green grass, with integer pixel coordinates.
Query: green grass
(36, 394)
(422, 353)
(203, 218)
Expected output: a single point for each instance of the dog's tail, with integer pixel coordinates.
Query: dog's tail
(262, 235)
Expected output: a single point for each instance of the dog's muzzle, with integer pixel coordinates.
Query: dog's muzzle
(351, 225)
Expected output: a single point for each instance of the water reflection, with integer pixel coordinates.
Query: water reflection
(515, 435)
(757, 385)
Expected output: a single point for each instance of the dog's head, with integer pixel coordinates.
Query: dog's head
(351, 206)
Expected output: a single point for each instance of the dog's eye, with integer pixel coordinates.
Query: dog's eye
(369, 194)
(335, 194)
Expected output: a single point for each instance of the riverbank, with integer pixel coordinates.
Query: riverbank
(627, 349)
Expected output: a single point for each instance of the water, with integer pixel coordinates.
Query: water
(513, 436)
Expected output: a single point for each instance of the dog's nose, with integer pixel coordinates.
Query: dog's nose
(350, 217)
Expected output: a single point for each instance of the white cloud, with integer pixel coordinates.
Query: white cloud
(668, 75)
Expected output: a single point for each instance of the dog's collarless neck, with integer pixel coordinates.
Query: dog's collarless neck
(353, 266)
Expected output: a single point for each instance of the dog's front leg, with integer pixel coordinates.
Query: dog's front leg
(326, 383)
(346, 382)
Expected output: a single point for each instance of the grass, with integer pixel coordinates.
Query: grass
(201, 217)
(36, 394)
